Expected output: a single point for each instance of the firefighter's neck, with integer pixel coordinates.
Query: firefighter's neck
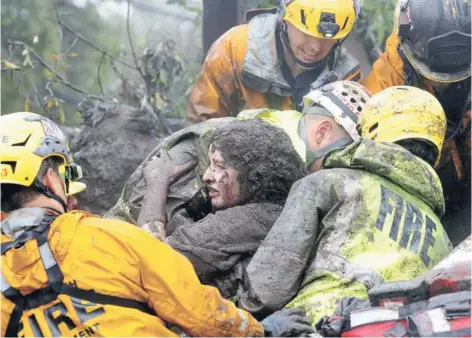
(42, 201)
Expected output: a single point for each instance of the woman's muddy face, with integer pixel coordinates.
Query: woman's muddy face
(222, 181)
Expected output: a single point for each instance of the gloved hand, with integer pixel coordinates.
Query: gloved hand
(287, 323)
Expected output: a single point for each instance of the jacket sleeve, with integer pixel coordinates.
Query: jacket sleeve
(276, 270)
(215, 92)
(177, 296)
(388, 69)
(216, 243)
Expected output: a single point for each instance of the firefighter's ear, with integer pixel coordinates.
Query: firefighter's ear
(322, 131)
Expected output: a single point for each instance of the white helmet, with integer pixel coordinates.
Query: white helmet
(343, 101)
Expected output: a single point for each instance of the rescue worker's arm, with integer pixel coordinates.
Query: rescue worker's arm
(158, 174)
(215, 92)
(177, 296)
(218, 242)
(276, 270)
(388, 69)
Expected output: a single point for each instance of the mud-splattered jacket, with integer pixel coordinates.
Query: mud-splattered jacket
(393, 69)
(370, 215)
(242, 71)
(218, 244)
(115, 259)
(186, 196)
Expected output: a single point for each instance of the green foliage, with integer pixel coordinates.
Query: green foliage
(29, 31)
(379, 15)
(43, 61)
(268, 3)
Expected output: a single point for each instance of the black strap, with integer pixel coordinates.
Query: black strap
(33, 233)
(55, 285)
(103, 299)
(14, 322)
(407, 70)
(49, 293)
(41, 188)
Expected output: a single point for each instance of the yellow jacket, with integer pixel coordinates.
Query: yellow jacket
(388, 69)
(117, 259)
(242, 71)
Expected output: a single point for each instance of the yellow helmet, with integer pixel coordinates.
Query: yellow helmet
(324, 19)
(26, 140)
(288, 120)
(402, 112)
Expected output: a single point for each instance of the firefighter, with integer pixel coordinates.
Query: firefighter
(271, 61)
(368, 213)
(75, 274)
(430, 48)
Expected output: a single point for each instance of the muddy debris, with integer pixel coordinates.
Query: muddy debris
(114, 140)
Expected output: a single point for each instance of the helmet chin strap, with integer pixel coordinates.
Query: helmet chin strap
(41, 188)
(300, 63)
(313, 155)
(286, 44)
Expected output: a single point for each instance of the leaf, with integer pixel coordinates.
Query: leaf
(36, 39)
(50, 104)
(27, 61)
(73, 54)
(27, 105)
(158, 101)
(10, 65)
(48, 74)
(60, 116)
(55, 57)
(164, 76)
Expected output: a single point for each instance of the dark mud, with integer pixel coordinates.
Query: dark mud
(113, 142)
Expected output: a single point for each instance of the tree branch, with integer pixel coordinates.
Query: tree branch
(71, 46)
(35, 89)
(51, 69)
(59, 30)
(99, 79)
(91, 44)
(132, 47)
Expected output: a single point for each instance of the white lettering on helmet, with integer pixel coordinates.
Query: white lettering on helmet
(51, 129)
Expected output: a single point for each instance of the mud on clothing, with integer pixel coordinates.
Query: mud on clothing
(243, 71)
(370, 215)
(219, 245)
(187, 196)
(393, 69)
(114, 259)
